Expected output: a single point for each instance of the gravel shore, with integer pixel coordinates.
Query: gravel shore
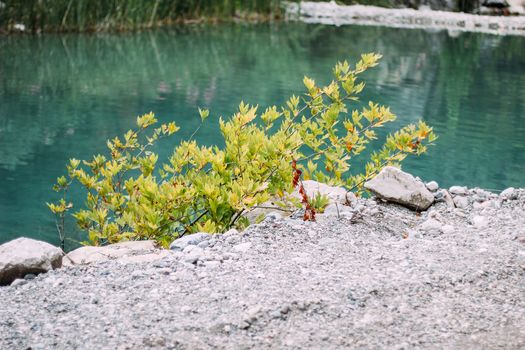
(375, 276)
(334, 14)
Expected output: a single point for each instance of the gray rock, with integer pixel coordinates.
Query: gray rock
(193, 239)
(509, 194)
(397, 186)
(458, 190)
(23, 256)
(432, 186)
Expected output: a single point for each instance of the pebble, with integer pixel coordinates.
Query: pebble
(458, 190)
(509, 194)
(432, 186)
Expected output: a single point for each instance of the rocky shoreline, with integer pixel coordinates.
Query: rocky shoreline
(455, 22)
(372, 274)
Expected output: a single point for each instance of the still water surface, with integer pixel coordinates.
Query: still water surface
(62, 96)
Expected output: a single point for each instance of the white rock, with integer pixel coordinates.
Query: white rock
(458, 190)
(397, 186)
(22, 256)
(193, 239)
(461, 202)
(335, 194)
(432, 186)
(117, 251)
(509, 194)
(480, 221)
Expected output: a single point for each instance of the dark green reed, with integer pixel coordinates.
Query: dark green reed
(97, 15)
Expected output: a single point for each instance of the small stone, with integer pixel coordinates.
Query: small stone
(431, 225)
(461, 202)
(232, 240)
(276, 314)
(30, 276)
(480, 221)
(273, 216)
(18, 282)
(458, 190)
(432, 186)
(509, 194)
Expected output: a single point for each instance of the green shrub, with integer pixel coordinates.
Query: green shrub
(266, 156)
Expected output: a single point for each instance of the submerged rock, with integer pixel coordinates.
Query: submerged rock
(397, 186)
(23, 256)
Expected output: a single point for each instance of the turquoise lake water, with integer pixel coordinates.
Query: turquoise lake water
(62, 96)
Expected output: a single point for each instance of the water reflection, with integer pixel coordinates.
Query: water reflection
(62, 96)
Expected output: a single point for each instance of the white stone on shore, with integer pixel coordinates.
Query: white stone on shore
(432, 186)
(335, 194)
(394, 185)
(193, 239)
(461, 202)
(123, 252)
(479, 221)
(509, 194)
(23, 256)
(458, 190)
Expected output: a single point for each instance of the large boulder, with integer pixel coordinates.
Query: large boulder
(124, 252)
(23, 256)
(397, 186)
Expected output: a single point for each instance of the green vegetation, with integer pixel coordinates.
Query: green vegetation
(265, 156)
(97, 15)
